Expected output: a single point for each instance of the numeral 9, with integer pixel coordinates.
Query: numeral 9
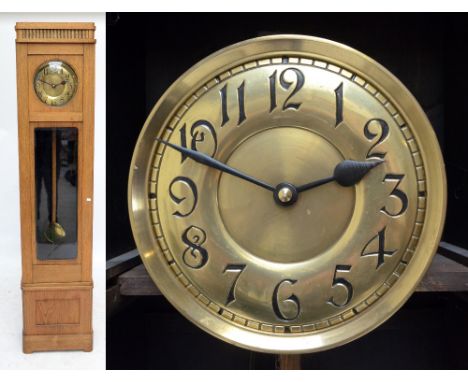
(182, 180)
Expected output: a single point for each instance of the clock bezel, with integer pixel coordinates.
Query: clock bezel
(73, 74)
(349, 59)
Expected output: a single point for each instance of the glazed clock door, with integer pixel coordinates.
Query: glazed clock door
(56, 181)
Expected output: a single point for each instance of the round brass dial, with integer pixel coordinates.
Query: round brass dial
(55, 83)
(287, 266)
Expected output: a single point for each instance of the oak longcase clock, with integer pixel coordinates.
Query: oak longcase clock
(55, 73)
(287, 194)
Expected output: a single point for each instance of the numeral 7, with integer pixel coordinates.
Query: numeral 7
(233, 268)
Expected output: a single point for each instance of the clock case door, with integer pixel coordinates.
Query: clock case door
(57, 293)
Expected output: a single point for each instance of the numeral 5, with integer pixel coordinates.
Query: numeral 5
(342, 282)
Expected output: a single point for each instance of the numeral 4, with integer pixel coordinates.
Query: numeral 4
(381, 252)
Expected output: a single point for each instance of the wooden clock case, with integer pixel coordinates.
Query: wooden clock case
(57, 293)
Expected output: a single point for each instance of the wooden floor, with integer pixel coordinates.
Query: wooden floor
(444, 275)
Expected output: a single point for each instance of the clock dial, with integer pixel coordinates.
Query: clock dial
(55, 83)
(285, 197)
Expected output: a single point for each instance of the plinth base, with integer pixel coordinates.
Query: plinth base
(36, 343)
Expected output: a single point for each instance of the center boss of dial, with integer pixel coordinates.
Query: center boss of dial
(285, 194)
(288, 227)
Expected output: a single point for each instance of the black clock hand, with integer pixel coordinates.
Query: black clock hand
(347, 173)
(60, 83)
(48, 83)
(208, 161)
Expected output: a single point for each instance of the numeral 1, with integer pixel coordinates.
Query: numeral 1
(339, 104)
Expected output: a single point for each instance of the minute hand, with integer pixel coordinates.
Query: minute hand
(210, 162)
(347, 173)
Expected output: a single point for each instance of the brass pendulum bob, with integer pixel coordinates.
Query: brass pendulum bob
(55, 232)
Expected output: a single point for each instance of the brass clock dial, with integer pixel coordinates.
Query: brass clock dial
(55, 83)
(287, 194)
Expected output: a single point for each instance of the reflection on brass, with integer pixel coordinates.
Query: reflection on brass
(55, 83)
(287, 194)
(54, 233)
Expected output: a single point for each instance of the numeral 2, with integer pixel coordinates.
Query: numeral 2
(383, 133)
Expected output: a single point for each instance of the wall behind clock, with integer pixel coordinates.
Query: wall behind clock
(11, 355)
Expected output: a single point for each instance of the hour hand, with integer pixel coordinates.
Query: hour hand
(350, 172)
(213, 163)
(347, 173)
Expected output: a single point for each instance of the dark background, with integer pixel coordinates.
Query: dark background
(147, 52)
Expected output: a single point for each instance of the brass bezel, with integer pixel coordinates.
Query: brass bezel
(73, 74)
(392, 89)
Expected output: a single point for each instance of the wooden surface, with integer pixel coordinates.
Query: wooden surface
(55, 33)
(55, 25)
(444, 275)
(120, 264)
(57, 311)
(32, 343)
(57, 294)
(289, 362)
